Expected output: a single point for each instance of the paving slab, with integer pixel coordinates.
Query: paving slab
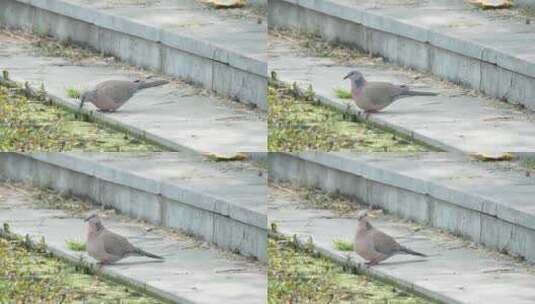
(454, 272)
(491, 52)
(178, 116)
(452, 121)
(222, 51)
(223, 203)
(487, 203)
(190, 273)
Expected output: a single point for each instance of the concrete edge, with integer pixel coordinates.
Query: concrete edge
(346, 261)
(217, 221)
(376, 121)
(228, 73)
(171, 191)
(483, 68)
(117, 125)
(105, 273)
(479, 204)
(418, 33)
(127, 26)
(108, 121)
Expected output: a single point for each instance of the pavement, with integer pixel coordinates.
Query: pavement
(453, 121)
(456, 271)
(190, 273)
(178, 115)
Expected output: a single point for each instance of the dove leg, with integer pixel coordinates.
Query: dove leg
(371, 263)
(368, 112)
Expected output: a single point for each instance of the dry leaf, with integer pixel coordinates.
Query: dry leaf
(225, 3)
(493, 157)
(222, 157)
(492, 3)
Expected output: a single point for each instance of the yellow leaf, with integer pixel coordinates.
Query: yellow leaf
(492, 3)
(223, 157)
(225, 3)
(493, 157)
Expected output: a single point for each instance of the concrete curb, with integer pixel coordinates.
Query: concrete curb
(238, 76)
(216, 220)
(412, 46)
(106, 273)
(117, 125)
(480, 219)
(347, 261)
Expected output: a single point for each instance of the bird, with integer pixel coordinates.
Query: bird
(373, 96)
(375, 246)
(110, 95)
(108, 247)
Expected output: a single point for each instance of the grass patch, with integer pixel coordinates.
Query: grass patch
(297, 276)
(32, 276)
(75, 245)
(342, 93)
(73, 92)
(297, 122)
(29, 123)
(343, 245)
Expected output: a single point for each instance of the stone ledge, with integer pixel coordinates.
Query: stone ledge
(479, 66)
(479, 208)
(215, 219)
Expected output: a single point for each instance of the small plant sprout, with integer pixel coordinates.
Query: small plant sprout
(6, 228)
(75, 245)
(343, 245)
(72, 92)
(274, 227)
(342, 93)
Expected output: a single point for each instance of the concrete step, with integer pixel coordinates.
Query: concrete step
(488, 203)
(192, 272)
(222, 203)
(452, 121)
(455, 271)
(177, 116)
(491, 52)
(222, 52)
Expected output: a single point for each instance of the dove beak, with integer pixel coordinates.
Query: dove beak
(89, 217)
(347, 76)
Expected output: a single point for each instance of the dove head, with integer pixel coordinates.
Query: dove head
(88, 96)
(356, 78)
(362, 218)
(93, 223)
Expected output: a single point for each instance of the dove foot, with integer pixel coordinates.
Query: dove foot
(368, 113)
(371, 263)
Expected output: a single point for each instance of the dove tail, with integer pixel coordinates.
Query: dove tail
(142, 252)
(418, 93)
(412, 252)
(144, 85)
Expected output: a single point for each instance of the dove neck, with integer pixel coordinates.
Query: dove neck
(95, 228)
(357, 85)
(364, 225)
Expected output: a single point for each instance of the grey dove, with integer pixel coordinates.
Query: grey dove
(374, 96)
(110, 95)
(108, 247)
(375, 246)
